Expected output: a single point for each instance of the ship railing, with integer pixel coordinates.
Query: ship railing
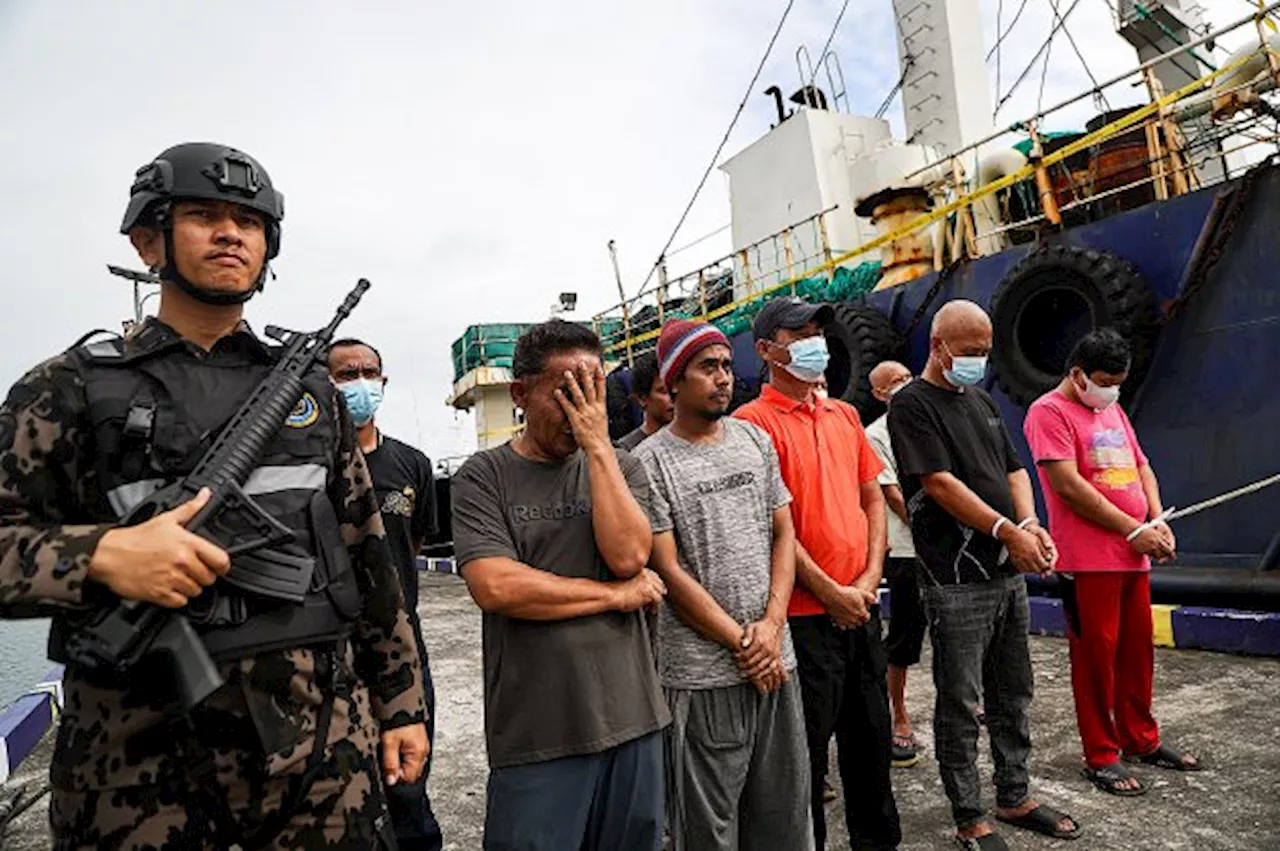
(630, 328)
(485, 346)
(1173, 166)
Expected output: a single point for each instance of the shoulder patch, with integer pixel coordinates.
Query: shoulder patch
(306, 412)
(109, 349)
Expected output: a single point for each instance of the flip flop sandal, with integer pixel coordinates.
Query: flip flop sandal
(1166, 757)
(1044, 820)
(1109, 777)
(904, 753)
(990, 842)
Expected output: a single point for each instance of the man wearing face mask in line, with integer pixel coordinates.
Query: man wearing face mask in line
(1104, 507)
(839, 517)
(975, 532)
(405, 488)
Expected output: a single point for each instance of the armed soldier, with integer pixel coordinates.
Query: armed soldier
(284, 754)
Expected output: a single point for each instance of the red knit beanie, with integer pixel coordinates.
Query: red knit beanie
(681, 339)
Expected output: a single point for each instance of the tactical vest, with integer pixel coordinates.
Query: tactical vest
(155, 407)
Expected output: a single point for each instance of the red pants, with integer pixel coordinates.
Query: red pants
(1112, 654)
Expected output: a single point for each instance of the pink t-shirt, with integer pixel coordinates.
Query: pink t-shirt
(1107, 454)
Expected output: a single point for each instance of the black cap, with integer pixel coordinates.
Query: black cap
(790, 312)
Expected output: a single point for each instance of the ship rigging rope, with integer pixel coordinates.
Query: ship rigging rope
(897, 87)
(1071, 40)
(813, 72)
(673, 252)
(1000, 37)
(719, 148)
(1044, 72)
(995, 50)
(1034, 59)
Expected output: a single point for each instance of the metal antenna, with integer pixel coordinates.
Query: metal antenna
(138, 278)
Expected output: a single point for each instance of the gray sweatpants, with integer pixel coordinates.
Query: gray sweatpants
(738, 770)
(980, 652)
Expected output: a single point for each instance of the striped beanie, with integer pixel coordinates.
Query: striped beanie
(680, 340)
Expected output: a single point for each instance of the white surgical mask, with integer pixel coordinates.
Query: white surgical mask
(1097, 397)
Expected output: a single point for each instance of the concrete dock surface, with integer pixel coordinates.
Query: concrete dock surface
(1224, 708)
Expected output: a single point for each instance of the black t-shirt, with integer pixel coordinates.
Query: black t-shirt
(406, 494)
(936, 430)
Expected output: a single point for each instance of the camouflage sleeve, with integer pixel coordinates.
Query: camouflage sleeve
(45, 546)
(385, 648)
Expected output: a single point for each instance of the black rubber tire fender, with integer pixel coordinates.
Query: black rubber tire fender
(1052, 298)
(859, 339)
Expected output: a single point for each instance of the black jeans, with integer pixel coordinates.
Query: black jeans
(980, 652)
(842, 684)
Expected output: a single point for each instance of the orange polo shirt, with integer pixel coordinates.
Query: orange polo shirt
(825, 456)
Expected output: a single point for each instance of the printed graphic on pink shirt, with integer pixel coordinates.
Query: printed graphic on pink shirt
(1114, 467)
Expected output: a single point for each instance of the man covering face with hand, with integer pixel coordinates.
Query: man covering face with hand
(552, 534)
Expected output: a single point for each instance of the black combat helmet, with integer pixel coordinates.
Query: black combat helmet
(205, 171)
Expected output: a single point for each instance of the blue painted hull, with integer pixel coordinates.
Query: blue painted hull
(1208, 413)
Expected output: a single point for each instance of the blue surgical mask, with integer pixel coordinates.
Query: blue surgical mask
(966, 370)
(363, 397)
(809, 359)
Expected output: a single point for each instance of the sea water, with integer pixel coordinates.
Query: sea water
(22, 658)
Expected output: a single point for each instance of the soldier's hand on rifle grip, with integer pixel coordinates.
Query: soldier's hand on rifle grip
(159, 561)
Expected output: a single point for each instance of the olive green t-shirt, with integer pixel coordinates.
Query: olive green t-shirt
(553, 688)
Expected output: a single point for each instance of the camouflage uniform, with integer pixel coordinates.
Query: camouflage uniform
(125, 774)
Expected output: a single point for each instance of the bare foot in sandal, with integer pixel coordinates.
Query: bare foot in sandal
(1115, 779)
(974, 831)
(1034, 816)
(1165, 756)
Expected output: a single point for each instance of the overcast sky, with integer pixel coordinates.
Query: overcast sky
(471, 159)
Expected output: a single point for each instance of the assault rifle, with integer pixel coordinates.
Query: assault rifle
(115, 639)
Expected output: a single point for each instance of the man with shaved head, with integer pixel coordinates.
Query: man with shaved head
(975, 531)
(906, 626)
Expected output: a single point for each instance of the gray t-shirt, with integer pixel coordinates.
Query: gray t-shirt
(632, 439)
(719, 501)
(553, 688)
